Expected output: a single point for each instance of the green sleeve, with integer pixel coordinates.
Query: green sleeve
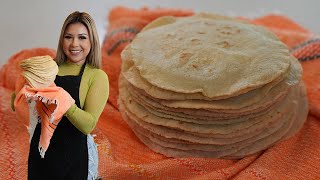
(13, 97)
(85, 120)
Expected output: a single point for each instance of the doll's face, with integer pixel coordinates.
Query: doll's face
(76, 43)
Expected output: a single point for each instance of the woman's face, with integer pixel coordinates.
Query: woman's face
(76, 43)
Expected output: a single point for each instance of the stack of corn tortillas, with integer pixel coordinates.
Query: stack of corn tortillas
(39, 71)
(210, 86)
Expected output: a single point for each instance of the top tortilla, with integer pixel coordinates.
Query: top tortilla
(218, 57)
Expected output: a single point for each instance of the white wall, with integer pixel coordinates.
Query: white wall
(37, 23)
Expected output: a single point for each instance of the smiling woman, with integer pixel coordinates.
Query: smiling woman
(79, 40)
(76, 43)
(72, 149)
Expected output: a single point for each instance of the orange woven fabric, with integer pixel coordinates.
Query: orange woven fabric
(123, 156)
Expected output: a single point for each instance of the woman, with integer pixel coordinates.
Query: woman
(79, 60)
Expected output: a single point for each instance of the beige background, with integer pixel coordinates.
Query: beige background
(37, 23)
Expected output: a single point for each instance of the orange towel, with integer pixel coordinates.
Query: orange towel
(123, 156)
(46, 105)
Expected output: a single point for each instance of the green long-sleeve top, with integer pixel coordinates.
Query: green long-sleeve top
(93, 95)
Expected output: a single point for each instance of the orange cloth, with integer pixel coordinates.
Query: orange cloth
(123, 156)
(46, 105)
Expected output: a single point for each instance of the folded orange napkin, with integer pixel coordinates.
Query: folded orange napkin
(44, 105)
